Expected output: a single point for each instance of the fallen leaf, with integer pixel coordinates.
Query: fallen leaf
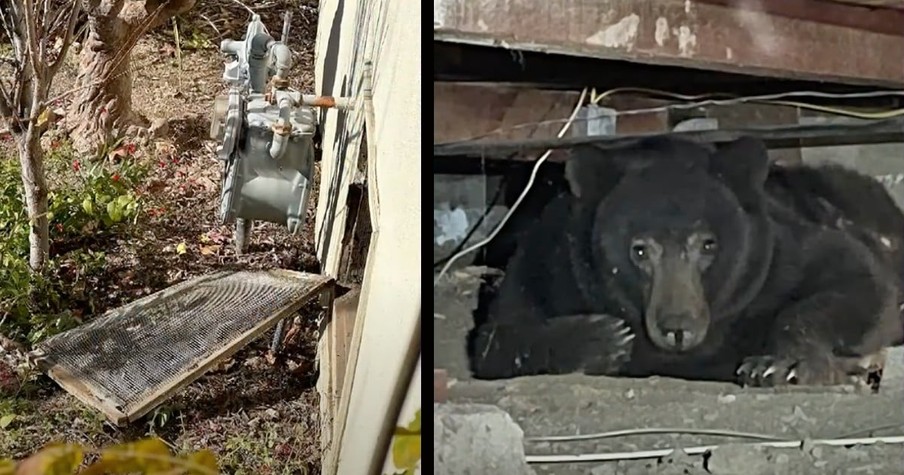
(168, 50)
(181, 248)
(44, 117)
(156, 186)
(217, 236)
(6, 420)
(225, 366)
(164, 148)
(116, 154)
(210, 250)
(207, 183)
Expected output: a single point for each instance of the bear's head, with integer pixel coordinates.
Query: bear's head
(677, 235)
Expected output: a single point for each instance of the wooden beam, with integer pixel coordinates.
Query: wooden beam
(344, 311)
(328, 399)
(792, 136)
(872, 16)
(89, 394)
(465, 111)
(686, 33)
(340, 416)
(478, 111)
(899, 4)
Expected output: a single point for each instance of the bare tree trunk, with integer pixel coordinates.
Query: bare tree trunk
(33, 27)
(102, 107)
(31, 158)
(101, 111)
(31, 162)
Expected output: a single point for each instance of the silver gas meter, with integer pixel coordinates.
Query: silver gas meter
(264, 131)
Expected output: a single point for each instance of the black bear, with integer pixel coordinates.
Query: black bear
(669, 257)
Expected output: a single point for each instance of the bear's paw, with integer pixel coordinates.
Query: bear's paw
(806, 369)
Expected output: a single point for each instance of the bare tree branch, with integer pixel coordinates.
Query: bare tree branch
(74, 10)
(5, 101)
(31, 37)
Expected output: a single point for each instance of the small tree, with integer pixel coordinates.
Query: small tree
(102, 108)
(40, 33)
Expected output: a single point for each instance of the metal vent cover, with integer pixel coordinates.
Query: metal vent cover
(132, 358)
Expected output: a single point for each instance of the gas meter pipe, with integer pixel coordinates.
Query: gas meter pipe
(326, 102)
(282, 129)
(282, 58)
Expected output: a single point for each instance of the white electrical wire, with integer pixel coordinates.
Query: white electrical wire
(699, 101)
(655, 430)
(648, 454)
(527, 188)
(685, 430)
(595, 98)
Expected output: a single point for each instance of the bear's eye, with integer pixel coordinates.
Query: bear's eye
(709, 245)
(639, 251)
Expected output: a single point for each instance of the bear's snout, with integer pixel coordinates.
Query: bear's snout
(679, 331)
(676, 314)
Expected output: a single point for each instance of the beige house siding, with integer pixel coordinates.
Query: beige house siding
(386, 32)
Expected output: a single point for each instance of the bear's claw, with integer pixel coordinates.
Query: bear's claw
(607, 341)
(769, 371)
(593, 344)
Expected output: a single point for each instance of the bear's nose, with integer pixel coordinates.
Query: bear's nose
(676, 329)
(678, 339)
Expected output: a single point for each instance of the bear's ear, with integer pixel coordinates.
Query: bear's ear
(742, 165)
(592, 171)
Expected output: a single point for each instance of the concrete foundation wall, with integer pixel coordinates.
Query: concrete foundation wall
(883, 161)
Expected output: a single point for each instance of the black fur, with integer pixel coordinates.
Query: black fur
(807, 277)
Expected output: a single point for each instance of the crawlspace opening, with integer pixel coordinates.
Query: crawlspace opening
(472, 197)
(485, 93)
(562, 416)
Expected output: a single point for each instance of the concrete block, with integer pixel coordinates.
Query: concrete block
(476, 439)
(455, 298)
(459, 203)
(893, 371)
(744, 459)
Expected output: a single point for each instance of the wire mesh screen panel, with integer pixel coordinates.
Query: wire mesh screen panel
(131, 358)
